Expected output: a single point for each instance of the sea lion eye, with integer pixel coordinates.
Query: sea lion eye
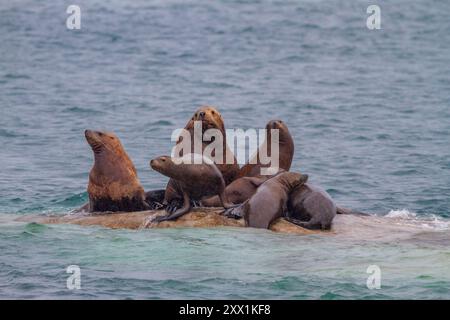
(100, 134)
(213, 112)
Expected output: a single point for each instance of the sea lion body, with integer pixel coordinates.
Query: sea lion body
(194, 180)
(113, 181)
(286, 151)
(311, 207)
(210, 119)
(238, 191)
(270, 200)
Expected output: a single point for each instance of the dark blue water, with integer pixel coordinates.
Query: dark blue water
(368, 109)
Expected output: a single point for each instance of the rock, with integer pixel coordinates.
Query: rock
(198, 218)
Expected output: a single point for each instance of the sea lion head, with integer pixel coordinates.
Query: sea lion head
(164, 165)
(103, 142)
(293, 179)
(210, 118)
(284, 134)
(180, 167)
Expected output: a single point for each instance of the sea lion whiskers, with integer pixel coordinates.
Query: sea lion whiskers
(106, 147)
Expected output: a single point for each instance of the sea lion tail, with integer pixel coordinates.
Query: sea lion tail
(342, 210)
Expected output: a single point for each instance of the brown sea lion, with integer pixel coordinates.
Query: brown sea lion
(210, 119)
(193, 181)
(113, 181)
(270, 200)
(311, 207)
(286, 150)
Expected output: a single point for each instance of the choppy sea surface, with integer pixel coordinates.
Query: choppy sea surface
(369, 111)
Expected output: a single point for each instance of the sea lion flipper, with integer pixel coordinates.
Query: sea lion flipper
(235, 212)
(174, 205)
(183, 210)
(172, 216)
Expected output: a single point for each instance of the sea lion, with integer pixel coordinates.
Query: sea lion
(113, 181)
(193, 181)
(210, 119)
(311, 207)
(286, 150)
(270, 200)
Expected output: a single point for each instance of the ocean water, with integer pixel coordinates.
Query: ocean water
(369, 111)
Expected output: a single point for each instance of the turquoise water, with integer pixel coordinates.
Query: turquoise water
(369, 112)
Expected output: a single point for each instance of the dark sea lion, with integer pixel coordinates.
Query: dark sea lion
(113, 181)
(193, 181)
(311, 207)
(211, 119)
(270, 200)
(286, 150)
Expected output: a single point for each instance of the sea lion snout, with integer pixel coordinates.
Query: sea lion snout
(159, 163)
(90, 134)
(275, 124)
(87, 133)
(92, 137)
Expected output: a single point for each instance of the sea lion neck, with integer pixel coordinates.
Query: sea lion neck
(112, 163)
(169, 168)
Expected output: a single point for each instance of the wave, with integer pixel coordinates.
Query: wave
(428, 221)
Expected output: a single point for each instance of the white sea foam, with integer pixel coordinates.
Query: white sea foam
(429, 221)
(402, 214)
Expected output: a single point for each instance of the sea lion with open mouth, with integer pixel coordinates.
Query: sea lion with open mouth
(193, 179)
(113, 181)
(286, 150)
(270, 200)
